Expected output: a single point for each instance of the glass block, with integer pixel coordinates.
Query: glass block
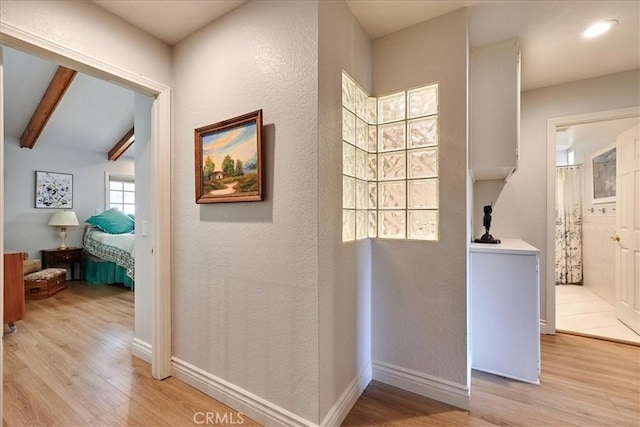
(392, 224)
(362, 134)
(361, 164)
(348, 159)
(348, 92)
(423, 225)
(422, 132)
(362, 194)
(362, 225)
(423, 194)
(373, 139)
(393, 195)
(348, 192)
(348, 126)
(422, 101)
(372, 111)
(423, 163)
(373, 224)
(391, 108)
(348, 225)
(392, 166)
(392, 137)
(361, 103)
(373, 195)
(372, 167)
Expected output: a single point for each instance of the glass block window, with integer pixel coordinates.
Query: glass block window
(390, 163)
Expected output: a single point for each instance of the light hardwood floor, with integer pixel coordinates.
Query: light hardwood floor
(70, 364)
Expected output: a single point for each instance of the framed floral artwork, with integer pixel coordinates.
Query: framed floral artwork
(54, 190)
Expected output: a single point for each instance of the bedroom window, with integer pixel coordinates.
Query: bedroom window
(122, 195)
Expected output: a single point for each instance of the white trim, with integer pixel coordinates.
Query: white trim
(552, 125)
(543, 328)
(255, 407)
(343, 405)
(161, 134)
(1, 226)
(425, 385)
(141, 349)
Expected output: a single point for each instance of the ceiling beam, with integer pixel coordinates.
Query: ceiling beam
(122, 145)
(59, 84)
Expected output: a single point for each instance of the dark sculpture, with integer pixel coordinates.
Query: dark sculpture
(486, 222)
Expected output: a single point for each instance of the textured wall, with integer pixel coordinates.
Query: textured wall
(344, 269)
(245, 298)
(92, 31)
(419, 289)
(521, 207)
(25, 227)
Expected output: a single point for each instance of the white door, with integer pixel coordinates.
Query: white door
(628, 226)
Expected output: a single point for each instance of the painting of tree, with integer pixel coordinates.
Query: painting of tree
(234, 145)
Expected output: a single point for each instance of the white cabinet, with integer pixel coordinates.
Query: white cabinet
(495, 110)
(505, 307)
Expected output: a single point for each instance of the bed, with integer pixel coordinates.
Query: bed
(109, 257)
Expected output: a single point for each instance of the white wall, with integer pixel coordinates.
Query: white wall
(25, 227)
(419, 289)
(245, 295)
(521, 206)
(88, 29)
(599, 255)
(344, 269)
(144, 202)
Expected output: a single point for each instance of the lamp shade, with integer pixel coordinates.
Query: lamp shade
(64, 219)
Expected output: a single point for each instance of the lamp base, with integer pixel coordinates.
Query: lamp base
(63, 238)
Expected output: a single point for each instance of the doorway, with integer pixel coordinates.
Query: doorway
(582, 277)
(158, 349)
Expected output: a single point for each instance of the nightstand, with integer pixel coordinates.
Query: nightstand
(71, 256)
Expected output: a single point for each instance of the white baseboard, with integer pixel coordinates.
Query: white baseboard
(425, 385)
(543, 327)
(255, 407)
(141, 349)
(341, 408)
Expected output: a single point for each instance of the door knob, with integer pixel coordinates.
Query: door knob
(615, 237)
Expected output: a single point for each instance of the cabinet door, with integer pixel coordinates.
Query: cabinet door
(505, 315)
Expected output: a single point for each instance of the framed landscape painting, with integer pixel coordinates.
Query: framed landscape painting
(54, 190)
(228, 163)
(604, 175)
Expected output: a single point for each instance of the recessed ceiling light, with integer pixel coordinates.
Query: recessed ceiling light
(599, 28)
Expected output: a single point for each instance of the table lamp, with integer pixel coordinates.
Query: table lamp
(63, 219)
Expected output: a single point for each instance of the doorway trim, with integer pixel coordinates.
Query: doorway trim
(161, 164)
(552, 125)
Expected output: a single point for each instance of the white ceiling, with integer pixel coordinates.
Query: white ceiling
(92, 115)
(553, 52)
(594, 135)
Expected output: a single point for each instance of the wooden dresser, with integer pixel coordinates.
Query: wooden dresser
(13, 288)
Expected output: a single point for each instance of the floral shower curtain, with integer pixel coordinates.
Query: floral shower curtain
(569, 225)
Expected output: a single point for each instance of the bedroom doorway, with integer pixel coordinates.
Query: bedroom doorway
(158, 348)
(581, 289)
